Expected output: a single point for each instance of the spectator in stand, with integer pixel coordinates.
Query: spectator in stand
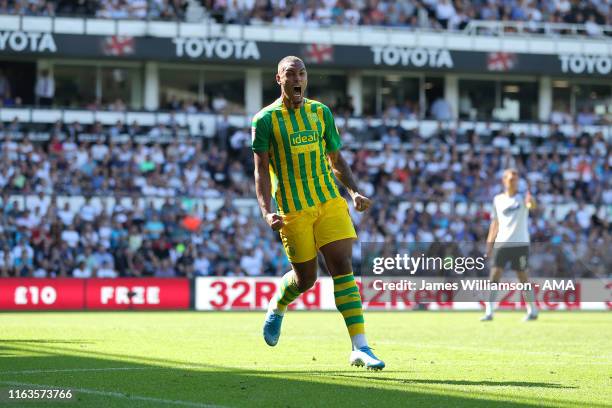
(592, 28)
(202, 264)
(586, 117)
(219, 103)
(95, 105)
(240, 139)
(445, 11)
(441, 110)
(165, 269)
(81, 271)
(5, 86)
(137, 9)
(559, 116)
(106, 270)
(117, 106)
(45, 88)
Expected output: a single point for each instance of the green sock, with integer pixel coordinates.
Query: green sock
(287, 293)
(348, 302)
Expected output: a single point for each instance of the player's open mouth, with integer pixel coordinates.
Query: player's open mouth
(297, 91)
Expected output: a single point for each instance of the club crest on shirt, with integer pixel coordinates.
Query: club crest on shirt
(512, 208)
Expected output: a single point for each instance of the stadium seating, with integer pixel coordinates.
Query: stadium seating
(123, 199)
(591, 17)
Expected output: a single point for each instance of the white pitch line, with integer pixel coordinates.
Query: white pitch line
(114, 394)
(78, 370)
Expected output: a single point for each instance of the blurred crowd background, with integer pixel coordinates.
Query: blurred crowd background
(422, 14)
(425, 189)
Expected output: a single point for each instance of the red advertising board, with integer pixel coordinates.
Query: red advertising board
(95, 294)
(248, 294)
(41, 294)
(137, 293)
(253, 293)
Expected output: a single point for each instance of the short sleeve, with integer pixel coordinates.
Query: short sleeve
(331, 136)
(260, 134)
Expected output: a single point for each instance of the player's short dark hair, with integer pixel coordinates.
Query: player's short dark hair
(288, 59)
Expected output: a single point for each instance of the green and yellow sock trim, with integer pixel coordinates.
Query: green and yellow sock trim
(348, 302)
(288, 292)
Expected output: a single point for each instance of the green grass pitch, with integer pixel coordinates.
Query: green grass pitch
(438, 359)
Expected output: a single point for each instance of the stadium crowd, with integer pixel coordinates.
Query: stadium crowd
(434, 14)
(115, 9)
(443, 171)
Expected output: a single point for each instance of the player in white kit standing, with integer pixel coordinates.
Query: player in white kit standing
(508, 239)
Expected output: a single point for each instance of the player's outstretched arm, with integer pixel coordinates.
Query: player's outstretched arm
(344, 174)
(263, 189)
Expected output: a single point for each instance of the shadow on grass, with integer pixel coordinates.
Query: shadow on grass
(138, 381)
(457, 382)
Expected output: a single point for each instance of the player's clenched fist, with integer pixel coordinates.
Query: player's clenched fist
(360, 202)
(275, 221)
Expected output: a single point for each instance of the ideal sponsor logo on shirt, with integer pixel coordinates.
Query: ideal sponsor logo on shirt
(304, 141)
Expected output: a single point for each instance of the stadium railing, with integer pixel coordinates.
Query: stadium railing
(246, 206)
(522, 28)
